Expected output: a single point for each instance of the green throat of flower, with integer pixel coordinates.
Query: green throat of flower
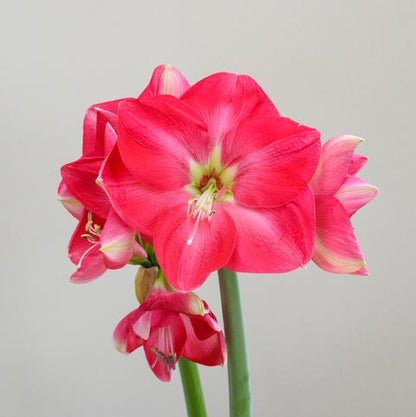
(211, 184)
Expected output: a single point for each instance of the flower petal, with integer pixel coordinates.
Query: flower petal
(80, 177)
(274, 240)
(210, 351)
(159, 139)
(276, 174)
(95, 142)
(188, 253)
(334, 164)
(224, 100)
(355, 193)
(74, 206)
(125, 339)
(356, 163)
(166, 79)
(336, 248)
(91, 265)
(178, 302)
(117, 241)
(138, 205)
(164, 346)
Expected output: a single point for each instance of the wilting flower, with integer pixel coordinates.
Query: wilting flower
(102, 240)
(339, 193)
(218, 178)
(168, 326)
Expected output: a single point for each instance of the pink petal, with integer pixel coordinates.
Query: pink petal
(336, 248)
(125, 339)
(74, 206)
(166, 79)
(157, 141)
(80, 177)
(143, 325)
(211, 351)
(117, 241)
(178, 302)
(355, 193)
(277, 173)
(91, 265)
(164, 346)
(334, 164)
(95, 143)
(274, 240)
(224, 100)
(188, 254)
(138, 205)
(356, 163)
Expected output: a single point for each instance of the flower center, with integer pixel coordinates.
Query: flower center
(211, 184)
(93, 230)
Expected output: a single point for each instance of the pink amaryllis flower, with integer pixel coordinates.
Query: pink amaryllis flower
(102, 240)
(171, 325)
(218, 178)
(339, 193)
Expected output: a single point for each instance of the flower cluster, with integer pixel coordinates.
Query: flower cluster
(184, 180)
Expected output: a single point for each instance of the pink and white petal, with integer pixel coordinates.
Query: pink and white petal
(355, 193)
(188, 252)
(138, 251)
(165, 79)
(125, 339)
(164, 346)
(356, 163)
(211, 351)
(159, 139)
(362, 271)
(117, 241)
(274, 240)
(90, 266)
(336, 247)
(334, 164)
(143, 325)
(276, 174)
(138, 205)
(225, 99)
(80, 177)
(74, 206)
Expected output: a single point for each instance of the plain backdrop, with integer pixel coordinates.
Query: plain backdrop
(320, 345)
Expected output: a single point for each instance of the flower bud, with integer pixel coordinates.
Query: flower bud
(166, 79)
(145, 280)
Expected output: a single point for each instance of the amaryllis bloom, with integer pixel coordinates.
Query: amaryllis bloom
(218, 178)
(339, 193)
(171, 325)
(102, 240)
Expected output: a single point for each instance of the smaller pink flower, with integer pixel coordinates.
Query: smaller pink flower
(171, 325)
(97, 245)
(339, 193)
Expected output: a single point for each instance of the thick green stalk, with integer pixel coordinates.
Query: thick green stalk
(238, 375)
(192, 389)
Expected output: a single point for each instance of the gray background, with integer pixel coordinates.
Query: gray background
(320, 345)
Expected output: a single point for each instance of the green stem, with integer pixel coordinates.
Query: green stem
(238, 375)
(192, 389)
